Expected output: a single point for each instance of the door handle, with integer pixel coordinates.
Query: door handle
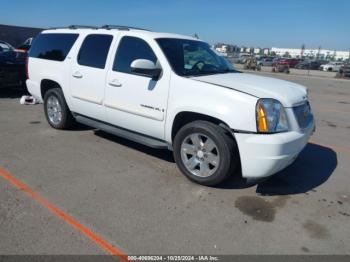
(115, 82)
(77, 75)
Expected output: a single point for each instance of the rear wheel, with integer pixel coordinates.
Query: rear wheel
(205, 153)
(56, 109)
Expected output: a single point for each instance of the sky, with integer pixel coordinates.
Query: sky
(258, 23)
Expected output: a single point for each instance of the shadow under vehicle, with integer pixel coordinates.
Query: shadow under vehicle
(314, 167)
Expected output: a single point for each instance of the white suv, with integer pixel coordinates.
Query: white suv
(332, 66)
(170, 91)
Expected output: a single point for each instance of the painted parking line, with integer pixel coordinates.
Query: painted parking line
(74, 223)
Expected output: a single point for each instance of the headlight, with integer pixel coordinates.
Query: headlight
(271, 116)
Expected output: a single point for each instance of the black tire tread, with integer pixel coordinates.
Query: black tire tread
(67, 117)
(223, 139)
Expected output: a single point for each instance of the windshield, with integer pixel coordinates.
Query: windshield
(193, 58)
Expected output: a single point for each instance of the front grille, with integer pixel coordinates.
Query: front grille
(303, 115)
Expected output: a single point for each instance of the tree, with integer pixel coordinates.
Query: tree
(286, 55)
(319, 52)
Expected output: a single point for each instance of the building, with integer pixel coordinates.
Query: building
(257, 51)
(312, 53)
(221, 49)
(226, 48)
(266, 51)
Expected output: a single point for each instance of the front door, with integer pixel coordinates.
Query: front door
(135, 102)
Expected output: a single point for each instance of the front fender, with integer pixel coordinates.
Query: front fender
(234, 108)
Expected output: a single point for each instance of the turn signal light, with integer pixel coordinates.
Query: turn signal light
(262, 119)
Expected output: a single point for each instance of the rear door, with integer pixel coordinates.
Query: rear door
(88, 75)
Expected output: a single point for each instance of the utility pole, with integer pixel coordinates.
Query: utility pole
(302, 51)
(319, 52)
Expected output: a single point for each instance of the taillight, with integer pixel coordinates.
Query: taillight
(27, 69)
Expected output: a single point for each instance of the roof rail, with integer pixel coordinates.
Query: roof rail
(122, 27)
(108, 27)
(75, 27)
(82, 27)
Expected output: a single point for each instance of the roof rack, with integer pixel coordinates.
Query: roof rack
(122, 27)
(82, 26)
(108, 27)
(75, 27)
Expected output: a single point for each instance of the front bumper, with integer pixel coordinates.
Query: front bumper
(264, 155)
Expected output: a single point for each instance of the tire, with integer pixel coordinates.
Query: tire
(66, 120)
(224, 158)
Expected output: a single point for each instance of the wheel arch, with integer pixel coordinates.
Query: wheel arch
(184, 117)
(47, 84)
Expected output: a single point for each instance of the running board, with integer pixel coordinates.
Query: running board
(139, 138)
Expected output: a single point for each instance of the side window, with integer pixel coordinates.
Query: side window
(52, 46)
(130, 49)
(94, 51)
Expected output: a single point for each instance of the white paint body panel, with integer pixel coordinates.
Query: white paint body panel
(288, 93)
(149, 107)
(265, 155)
(136, 102)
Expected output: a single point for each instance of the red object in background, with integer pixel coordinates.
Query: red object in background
(289, 61)
(27, 69)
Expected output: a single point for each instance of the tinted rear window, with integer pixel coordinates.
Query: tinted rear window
(94, 51)
(52, 46)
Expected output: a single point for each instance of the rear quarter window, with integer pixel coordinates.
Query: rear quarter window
(52, 46)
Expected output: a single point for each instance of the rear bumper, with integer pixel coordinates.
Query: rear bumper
(264, 155)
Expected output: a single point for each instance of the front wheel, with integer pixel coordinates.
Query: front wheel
(205, 153)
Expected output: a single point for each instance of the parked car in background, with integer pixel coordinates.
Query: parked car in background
(344, 71)
(216, 120)
(331, 67)
(25, 46)
(243, 57)
(12, 66)
(5, 47)
(252, 64)
(310, 65)
(291, 62)
(266, 61)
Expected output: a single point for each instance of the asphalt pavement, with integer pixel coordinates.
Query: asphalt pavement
(135, 198)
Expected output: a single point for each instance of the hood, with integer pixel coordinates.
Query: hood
(288, 93)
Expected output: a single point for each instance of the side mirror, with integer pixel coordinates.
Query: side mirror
(145, 67)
